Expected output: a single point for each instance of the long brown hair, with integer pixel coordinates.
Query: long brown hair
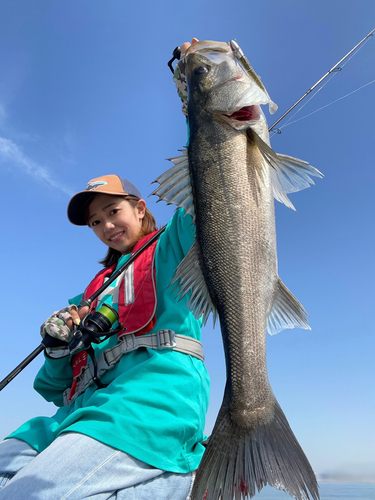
(148, 226)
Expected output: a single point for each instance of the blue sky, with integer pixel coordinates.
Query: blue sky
(85, 91)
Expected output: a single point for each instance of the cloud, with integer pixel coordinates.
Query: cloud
(10, 152)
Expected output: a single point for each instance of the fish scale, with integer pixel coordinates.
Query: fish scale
(241, 276)
(231, 271)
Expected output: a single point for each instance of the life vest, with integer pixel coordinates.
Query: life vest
(137, 300)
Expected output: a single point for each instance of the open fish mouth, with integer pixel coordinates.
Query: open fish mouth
(244, 117)
(246, 114)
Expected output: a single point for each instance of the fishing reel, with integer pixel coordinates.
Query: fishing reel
(94, 327)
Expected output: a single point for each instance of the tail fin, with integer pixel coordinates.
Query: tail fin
(239, 461)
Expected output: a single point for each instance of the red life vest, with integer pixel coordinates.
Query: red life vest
(137, 300)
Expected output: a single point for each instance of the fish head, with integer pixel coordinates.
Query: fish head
(219, 85)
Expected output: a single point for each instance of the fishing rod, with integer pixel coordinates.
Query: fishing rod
(336, 67)
(78, 339)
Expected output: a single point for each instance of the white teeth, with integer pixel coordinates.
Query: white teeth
(116, 236)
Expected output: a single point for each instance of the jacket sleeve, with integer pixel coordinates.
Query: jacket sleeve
(56, 375)
(53, 378)
(180, 234)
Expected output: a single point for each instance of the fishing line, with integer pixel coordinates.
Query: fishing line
(333, 70)
(326, 106)
(278, 131)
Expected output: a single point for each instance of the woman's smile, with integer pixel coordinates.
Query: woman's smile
(116, 236)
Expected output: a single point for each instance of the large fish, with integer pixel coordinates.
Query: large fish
(227, 182)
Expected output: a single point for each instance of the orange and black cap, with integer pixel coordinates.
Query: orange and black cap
(107, 184)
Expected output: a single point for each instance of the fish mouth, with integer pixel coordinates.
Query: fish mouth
(246, 114)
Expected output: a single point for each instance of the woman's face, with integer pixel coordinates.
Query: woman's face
(115, 221)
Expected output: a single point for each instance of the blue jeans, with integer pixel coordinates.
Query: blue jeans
(77, 467)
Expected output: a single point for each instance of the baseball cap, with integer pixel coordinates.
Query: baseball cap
(107, 184)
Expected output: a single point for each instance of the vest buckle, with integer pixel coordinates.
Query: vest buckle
(166, 339)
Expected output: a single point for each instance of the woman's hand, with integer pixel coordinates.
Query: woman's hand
(186, 45)
(60, 325)
(179, 77)
(77, 316)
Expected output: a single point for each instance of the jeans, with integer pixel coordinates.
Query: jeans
(77, 467)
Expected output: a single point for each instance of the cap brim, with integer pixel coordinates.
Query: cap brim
(77, 207)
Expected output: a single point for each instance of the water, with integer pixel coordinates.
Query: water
(328, 491)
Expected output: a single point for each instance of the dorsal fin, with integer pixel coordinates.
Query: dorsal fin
(175, 185)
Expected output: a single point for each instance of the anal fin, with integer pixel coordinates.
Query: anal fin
(286, 312)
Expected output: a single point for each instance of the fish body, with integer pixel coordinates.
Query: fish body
(228, 183)
(237, 242)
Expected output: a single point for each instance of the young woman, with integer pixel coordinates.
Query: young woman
(139, 436)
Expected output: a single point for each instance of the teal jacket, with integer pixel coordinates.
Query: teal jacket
(155, 404)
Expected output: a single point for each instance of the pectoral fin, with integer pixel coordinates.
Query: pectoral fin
(288, 174)
(286, 312)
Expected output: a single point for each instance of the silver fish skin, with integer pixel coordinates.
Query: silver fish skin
(228, 185)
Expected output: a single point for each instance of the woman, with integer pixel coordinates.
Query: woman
(139, 434)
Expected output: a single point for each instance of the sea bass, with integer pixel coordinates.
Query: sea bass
(227, 182)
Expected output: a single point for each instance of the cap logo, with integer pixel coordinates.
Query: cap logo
(91, 186)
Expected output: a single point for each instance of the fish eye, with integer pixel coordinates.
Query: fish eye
(200, 70)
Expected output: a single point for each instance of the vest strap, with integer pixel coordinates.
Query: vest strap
(162, 339)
